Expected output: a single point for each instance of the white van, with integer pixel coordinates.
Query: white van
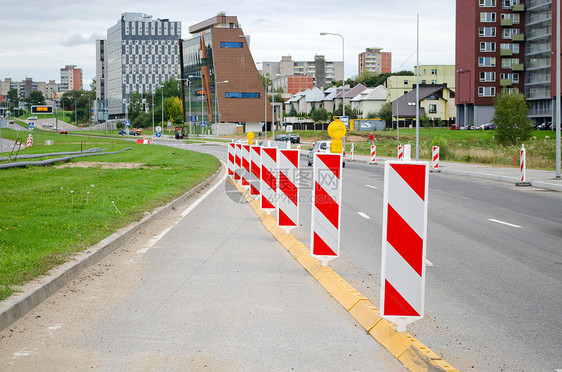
(321, 147)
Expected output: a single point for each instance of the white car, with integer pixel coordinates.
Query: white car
(321, 147)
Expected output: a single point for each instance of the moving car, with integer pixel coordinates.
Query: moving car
(322, 147)
(122, 132)
(63, 132)
(295, 138)
(281, 137)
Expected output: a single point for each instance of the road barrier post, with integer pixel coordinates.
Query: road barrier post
(255, 169)
(268, 183)
(435, 159)
(400, 152)
(373, 157)
(288, 201)
(522, 167)
(246, 166)
(230, 159)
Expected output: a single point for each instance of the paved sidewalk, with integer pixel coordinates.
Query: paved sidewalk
(538, 178)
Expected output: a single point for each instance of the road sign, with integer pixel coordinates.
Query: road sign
(159, 128)
(193, 118)
(404, 233)
(31, 125)
(158, 134)
(202, 124)
(169, 124)
(127, 123)
(345, 120)
(41, 109)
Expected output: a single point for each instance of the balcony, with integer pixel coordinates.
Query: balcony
(519, 37)
(505, 82)
(506, 22)
(519, 7)
(506, 52)
(518, 67)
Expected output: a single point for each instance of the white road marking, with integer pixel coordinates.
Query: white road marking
(198, 201)
(364, 215)
(558, 370)
(153, 241)
(504, 223)
(428, 262)
(373, 187)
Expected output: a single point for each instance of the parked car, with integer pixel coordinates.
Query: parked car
(63, 132)
(32, 118)
(454, 127)
(322, 147)
(545, 126)
(122, 132)
(489, 126)
(281, 137)
(295, 138)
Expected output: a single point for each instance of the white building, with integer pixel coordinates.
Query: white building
(369, 101)
(324, 72)
(138, 56)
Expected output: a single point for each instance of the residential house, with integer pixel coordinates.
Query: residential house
(369, 101)
(436, 102)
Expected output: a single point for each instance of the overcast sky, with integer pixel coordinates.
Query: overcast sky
(38, 38)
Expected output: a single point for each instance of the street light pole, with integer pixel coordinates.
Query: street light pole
(418, 88)
(343, 66)
(200, 77)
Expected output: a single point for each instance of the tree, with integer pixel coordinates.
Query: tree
(93, 87)
(292, 112)
(13, 96)
(35, 98)
(510, 118)
(320, 114)
(385, 113)
(172, 109)
(135, 106)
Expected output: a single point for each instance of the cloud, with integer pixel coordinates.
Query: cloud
(77, 39)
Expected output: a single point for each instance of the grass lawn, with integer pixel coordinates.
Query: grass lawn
(49, 213)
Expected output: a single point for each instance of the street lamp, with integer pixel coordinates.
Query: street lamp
(216, 97)
(342, 63)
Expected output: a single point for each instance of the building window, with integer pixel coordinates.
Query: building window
(488, 76)
(514, 77)
(508, 46)
(486, 91)
(432, 108)
(242, 95)
(487, 3)
(508, 4)
(509, 62)
(231, 44)
(485, 46)
(434, 71)
(513, 16)
(507, 33)
(487, 31)
(487, 17)
(487, 61)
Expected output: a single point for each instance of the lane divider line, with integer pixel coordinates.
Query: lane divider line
(407, 349)
(428, 262)
(364, 215)
(372, 187)
(504, 223)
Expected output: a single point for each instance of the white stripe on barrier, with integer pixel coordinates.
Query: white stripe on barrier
(404, 279)
(246, 166)
(255, 170)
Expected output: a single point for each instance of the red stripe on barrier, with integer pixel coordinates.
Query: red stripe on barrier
(395, 304)
(332, 162)
(293, 157)
(285, 220)
(326, 205)
(254, 191)
(404, 240)
(268, 178)
(288, 188)
(321, 248)
(413, 175)
(255, 170)
(266, 204)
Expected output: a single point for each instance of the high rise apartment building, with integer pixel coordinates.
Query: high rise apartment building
(504, 44)
(323, 72)
(70, 78)
(372, 59)
(138, 55)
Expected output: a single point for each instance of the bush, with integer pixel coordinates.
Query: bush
(320, 114)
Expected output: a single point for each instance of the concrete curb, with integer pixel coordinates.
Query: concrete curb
(411, 352)
(35, 292)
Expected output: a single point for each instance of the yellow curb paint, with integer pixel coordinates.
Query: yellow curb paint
(367, 314)
(411, 352)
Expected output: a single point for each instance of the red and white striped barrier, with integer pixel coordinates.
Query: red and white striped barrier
(400, 152)
(404, 241)
(268, 184)
(523, 163)
(298, 146)
(230, 158)
(255, 170)
(435, 158)
(29, 142)
(326, 210)
(288, 195)
(143, 141)
(238, 163)
(373, 157)
(351, 151)
(246, 166)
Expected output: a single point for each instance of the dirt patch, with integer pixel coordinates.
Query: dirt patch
(100, 165)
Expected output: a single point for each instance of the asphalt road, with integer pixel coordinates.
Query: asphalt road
(494, 276)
